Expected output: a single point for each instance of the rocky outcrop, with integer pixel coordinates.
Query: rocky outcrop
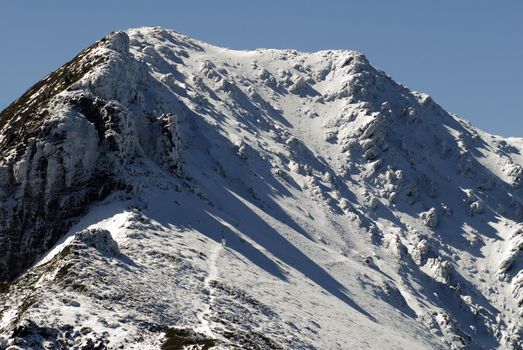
(66, 144)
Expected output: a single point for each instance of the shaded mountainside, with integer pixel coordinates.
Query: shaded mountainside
(160, 192)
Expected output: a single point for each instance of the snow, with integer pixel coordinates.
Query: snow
(355, 213)
(97, 218)
(205, 315)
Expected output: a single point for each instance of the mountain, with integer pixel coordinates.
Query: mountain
(161, 192)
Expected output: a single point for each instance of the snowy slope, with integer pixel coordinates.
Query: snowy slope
(267, 199)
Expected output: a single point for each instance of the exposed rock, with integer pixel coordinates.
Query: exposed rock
(75, 155)
(420, 252)
(441, 269)
(99, 239)
(430, 218)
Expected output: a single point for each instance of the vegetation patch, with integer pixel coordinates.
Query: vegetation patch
(181, 338)
(251, 340)
(4, 287)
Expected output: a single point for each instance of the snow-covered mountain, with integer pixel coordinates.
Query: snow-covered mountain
(161, 192)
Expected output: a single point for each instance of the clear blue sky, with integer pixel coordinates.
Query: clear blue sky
(467, 54)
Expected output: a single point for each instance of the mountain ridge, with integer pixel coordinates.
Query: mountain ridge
(320, 172)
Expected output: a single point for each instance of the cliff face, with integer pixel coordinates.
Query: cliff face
(64, 145)
(260, 199)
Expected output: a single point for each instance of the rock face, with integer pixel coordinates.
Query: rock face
(48, 176)
(160, 190)
(64, 147)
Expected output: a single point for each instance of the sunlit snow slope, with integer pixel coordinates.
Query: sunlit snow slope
(160, 192)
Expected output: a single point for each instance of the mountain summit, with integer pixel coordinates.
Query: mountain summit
(161, 192)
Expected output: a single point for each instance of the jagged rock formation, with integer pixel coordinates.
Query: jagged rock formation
(160, 190)
(68, 147)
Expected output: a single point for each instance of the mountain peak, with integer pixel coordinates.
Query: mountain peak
(118, 41)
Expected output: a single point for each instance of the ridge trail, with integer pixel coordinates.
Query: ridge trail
(205, 315)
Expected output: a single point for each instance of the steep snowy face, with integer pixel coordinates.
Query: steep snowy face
(259, 199)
